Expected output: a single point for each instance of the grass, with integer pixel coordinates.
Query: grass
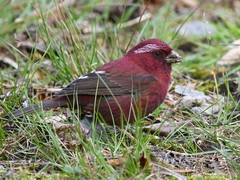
(34, 148)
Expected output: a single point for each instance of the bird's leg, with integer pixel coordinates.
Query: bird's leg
(88, 124)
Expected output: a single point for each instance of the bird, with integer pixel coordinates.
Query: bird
(119, 91)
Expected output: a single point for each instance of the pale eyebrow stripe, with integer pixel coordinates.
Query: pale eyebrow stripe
(147, 48)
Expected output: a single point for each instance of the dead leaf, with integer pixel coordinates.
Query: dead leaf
(7, 86)
(8, 61)
(116, 162)
(170, 100)
(30, 46)
(143, 160)
(191, 85)
(153, 4)
(159, 170)
(231, 57)
(164, 128)
(70, 135)
(187, 3)
(169, 103)
(54, 119)
(116, 11)
(184, 6)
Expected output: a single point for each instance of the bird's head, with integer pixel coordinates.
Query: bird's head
(152, 52)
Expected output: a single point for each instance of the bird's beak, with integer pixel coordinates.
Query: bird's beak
(174, 57)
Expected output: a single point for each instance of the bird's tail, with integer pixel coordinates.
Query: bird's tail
(34, 108)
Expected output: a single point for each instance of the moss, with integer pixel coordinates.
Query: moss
(207, 86)
(206, 176)
(199, 72)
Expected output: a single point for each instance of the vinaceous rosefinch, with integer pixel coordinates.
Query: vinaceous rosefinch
(121, 90)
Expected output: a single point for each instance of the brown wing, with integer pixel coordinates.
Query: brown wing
(107, 83)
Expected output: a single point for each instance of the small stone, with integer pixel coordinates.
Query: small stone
(197, 28)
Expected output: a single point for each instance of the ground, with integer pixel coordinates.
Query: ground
(194, 134)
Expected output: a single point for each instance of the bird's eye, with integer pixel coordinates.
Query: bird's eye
(158, 54)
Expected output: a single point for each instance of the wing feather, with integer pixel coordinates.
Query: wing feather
(107, 83)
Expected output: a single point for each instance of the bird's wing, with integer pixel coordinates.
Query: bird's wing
(107, 83)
